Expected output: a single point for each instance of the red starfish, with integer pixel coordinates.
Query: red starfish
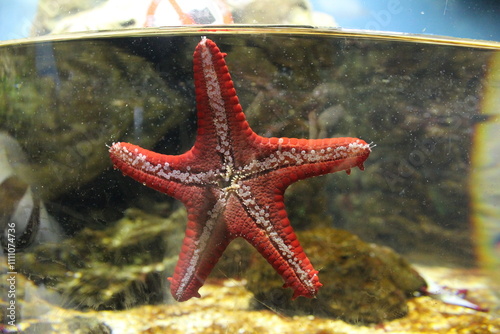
(232, 182)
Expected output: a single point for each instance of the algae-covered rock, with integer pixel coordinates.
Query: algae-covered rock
(126, 265)
(225, 309)
(362, 282)
(63, 102)
(122, 266)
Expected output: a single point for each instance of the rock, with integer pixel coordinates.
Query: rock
(120, 267)
(260, 12)
(24, 220)
(362, 282)
(224, 309)
(126, 265)
(64, 103)
(78, 15)
(73, 16)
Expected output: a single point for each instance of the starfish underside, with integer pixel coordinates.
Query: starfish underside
(232, 182)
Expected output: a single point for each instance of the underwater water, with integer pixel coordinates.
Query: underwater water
(85, 247)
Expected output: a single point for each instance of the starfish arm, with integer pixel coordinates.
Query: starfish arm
(221, 121)
(266, 226)
(301, 158)
(206, 239)
(172, 175)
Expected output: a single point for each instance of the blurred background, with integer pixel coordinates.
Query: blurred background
(474, 19)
